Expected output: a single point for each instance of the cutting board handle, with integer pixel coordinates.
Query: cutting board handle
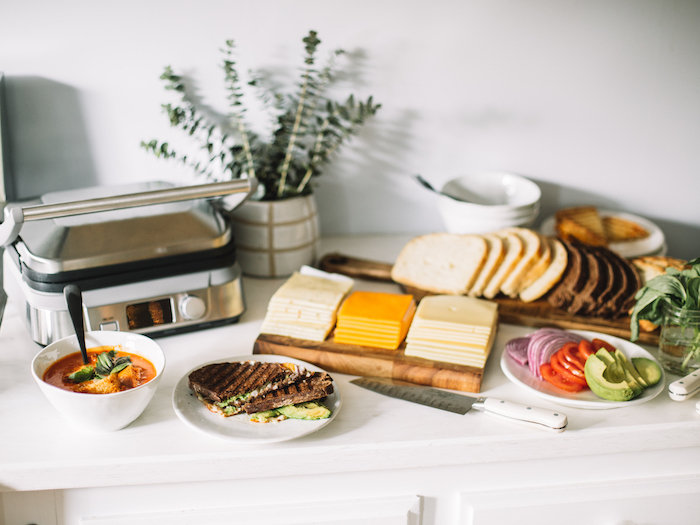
(355, 268)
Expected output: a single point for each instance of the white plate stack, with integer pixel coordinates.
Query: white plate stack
(488, 201)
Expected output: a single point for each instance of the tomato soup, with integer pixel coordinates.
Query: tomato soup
(138, 371)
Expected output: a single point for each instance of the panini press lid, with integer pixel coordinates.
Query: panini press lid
(109, 238)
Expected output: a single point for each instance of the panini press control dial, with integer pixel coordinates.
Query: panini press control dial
(192, 307)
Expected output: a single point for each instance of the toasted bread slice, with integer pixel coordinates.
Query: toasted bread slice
(533, 251)
(582, 223)
(651, 266)
(551, 275)
(514, 252)
(496, 253)
(441, 262)
(618, 229)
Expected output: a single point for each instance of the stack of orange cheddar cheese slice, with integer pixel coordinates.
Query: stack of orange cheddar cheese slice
(375, 319)
(453, 329)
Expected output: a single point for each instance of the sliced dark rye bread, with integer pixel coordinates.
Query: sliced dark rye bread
(634, 283)
(219, 381)
(317, 386)
(574, 278)
(617, 278)
(598, 282)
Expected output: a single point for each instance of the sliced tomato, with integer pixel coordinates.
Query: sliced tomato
(586, 348)
(571, 354)
(599, 343)
(550, 375)
(560, 365)
(571, 367)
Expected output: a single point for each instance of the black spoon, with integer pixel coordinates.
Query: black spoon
(426, 184)
(74, 299)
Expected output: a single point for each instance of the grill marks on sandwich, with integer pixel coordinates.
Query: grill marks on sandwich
(231, 388)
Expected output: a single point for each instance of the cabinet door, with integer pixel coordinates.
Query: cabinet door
(655, 501)
(375, 511)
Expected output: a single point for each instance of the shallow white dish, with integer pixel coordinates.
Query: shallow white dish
(654, 244)
(521, 376)
(494, 192)
(240, 429)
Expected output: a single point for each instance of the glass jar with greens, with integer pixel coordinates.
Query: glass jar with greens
(672, 301)
(679, 343)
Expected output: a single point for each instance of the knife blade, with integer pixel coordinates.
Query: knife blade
(461, 404)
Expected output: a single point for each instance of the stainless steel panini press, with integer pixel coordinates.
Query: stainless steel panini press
(149, 258)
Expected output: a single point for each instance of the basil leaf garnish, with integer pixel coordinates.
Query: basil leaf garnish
(107, 364)
(83, 374)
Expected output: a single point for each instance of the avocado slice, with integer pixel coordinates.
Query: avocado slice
(308, 411)
(265, 416)
(622, 359)
(614, 372)
(604, 387)
(648, 369)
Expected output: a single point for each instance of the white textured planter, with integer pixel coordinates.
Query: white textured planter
(276, 238)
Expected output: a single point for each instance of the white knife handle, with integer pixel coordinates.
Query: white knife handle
(538, 417)
(685, 388)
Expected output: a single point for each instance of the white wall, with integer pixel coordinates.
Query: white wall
(599, 101)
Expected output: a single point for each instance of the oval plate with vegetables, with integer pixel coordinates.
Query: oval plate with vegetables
(522, 376)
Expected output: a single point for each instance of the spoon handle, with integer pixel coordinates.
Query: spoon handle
(74, 299)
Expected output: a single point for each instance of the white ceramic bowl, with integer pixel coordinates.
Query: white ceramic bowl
(498, 200)
(493, 192)
(100, 412)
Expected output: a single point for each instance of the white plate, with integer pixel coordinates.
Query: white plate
(521, 376)
(653, 244)
(240, 429)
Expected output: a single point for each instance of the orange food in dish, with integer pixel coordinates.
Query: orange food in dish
(138, 372)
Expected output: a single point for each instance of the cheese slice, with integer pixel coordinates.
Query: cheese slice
(514, 252)
(375, 319)
(453, 329)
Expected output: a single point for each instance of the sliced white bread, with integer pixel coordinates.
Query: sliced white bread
(445, 263)
(532, 252)
(496, 253)
(514, 250)
(537, 269)
(551, 275)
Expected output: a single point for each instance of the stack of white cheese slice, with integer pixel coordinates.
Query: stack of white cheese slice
(453, 329)
(305, 306)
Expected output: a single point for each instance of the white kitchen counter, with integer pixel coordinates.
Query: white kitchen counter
(461, 469)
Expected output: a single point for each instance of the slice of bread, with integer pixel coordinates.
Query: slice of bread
(618, 229)
(581, 223)
(441, 262)
(496, 253)
(532, 253)
(539, 267)
(551, 275)
(514, 252)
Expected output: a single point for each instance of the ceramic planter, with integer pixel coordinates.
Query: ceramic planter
(276, 238)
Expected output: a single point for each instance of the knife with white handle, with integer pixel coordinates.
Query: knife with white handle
(686, 387)
(461, 404)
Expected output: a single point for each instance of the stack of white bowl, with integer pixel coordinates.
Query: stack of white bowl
(488, 201)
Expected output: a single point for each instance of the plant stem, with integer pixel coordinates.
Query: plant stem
(292, 137)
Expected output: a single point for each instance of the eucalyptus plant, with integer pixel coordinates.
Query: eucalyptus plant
(307, 127)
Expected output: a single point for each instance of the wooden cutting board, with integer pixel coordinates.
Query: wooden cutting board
(536, 314)
(367, 361)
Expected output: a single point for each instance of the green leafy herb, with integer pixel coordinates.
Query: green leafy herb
(108, 363)
(85, 373)
(306, 127)
(680, 288)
